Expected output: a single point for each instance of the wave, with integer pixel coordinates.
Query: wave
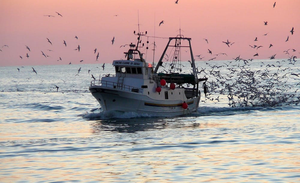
(44, 107)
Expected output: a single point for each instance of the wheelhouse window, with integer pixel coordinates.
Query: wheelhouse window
(128, 70)
(120, 69)
(139, 70)
(133, 70)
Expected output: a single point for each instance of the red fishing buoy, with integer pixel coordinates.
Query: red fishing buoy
(184, 105)
(172, 86)
(158, 89)
(163, 82)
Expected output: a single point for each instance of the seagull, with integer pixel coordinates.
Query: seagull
(58, 14)
(21, 57)
(266, 22)
(123, 45)
(176, 2)
(113, 40)
(259, 47)
(44, 54)
(209, 51)
(206, 40)
(65, 43)
(95, 50)
(49, 41)
(78, 71)
(97, 56)
(292, 31)
(160, 23)
(56, 87)
(78, 48)
(270, 45)
(27, 55)
(76, 37)
(274, 4)
(28, 48)
(49, 15)
(272, 57)
(255, 55)
(199, 56)
(18, 69)
(228, 43)
(255, 39)
(103, 66)
(81, 60)
(287, 39)
(93, 77)
(33, 70)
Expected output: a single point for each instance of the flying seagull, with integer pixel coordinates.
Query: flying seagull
(287, 39)
(27, 48)
(292, 31)
(49, 15)
(160, 23)
(49, 41)
(33, 70)
(272, 57)
(97, 56)
(78, 48)
(206, 40)
(58, 14)
(65, 43)
(113, 40)
(56, 88)
(274, 4)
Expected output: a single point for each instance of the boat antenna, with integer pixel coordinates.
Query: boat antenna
(138, 21)
(154, 45)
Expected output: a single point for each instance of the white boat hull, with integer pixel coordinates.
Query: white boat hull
(123, 101)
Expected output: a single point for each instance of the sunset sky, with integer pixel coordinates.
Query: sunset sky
(96, 22)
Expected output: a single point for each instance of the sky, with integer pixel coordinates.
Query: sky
(97, 22)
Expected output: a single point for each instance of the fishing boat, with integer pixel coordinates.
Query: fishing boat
(137, 86)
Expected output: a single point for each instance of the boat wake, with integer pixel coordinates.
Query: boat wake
(98, 114)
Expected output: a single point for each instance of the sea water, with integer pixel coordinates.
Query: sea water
(247, 128)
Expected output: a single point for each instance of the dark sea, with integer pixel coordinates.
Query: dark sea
(247, 129)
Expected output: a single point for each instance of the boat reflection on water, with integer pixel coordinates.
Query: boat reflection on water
(140, 124)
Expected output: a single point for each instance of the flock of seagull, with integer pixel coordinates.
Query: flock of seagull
(235, 79)
(252, 83)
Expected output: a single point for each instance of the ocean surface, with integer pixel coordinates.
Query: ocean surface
(247, 129)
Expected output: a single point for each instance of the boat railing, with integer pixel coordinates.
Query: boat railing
(114, 85)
